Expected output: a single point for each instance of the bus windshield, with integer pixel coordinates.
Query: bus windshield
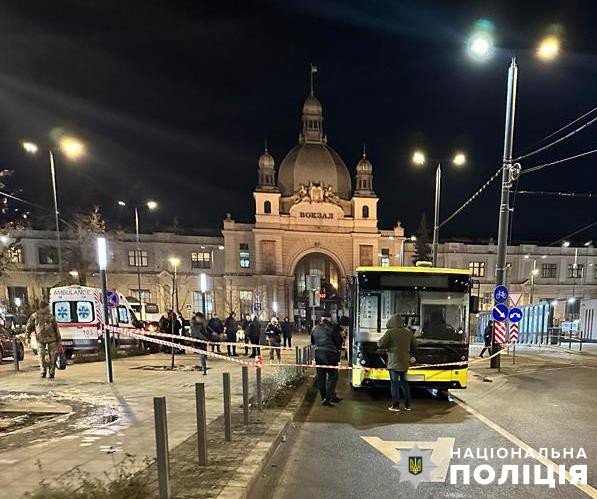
(438, 316)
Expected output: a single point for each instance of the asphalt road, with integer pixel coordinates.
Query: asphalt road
(343, 452)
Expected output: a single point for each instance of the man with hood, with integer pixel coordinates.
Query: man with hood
(48, 338)
(400, 343)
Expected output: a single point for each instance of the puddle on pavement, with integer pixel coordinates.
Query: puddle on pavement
(13, 421)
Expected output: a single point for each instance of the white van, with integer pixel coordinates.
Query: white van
(79, 313)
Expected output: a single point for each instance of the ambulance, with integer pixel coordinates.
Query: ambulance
(79, 313)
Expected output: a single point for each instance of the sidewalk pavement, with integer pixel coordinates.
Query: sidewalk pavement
(96, 447)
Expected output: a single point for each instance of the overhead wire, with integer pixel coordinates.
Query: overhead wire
(35, 205)
(557, 141)
(545, 165)
(560, 129)
(472, 198)
(572, 234)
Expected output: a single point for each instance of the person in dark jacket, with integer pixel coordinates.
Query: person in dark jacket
(487, 334)
(231, 327)
(287, 328)
(245, 327)
(254, 334)
(273, 334)
(200, 331)
(327, 341)
(217, 327)
(169, 324)
(400, 343)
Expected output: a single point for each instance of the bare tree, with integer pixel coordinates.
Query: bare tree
(82, 232)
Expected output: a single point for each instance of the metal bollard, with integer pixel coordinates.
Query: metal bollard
(161, 443)
(299, 362)
(245, 379)
(258, 393)
(201, 424)
(227, 412)
(513, 353)
(15, 353)
(304, 359)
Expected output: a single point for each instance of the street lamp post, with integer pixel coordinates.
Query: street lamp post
(175, 262)
(72, 149)
(203, 287)
(419, 158)
(102, 260)
(507, 175)
(151, 205)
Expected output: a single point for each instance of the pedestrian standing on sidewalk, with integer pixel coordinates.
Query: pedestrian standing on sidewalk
(327, 342)
(287, 328)
(400, 343)
(245, 327)
(48, 338)
(273, 334)
(254, 333)
(217, 328)
(487, 334)
(199, 331)
(231, 327)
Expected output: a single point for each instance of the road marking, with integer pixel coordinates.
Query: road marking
(441, 449)
(587, 489)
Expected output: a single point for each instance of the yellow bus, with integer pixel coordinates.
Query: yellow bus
(434, 302)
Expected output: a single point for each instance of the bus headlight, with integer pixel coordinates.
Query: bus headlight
(463, 357)
(413, 360)
(363, 362)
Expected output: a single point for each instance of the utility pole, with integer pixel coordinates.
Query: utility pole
(438, 188)
(138, 263)
(508, 172)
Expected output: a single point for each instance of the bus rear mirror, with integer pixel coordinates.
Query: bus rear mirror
(473, 304)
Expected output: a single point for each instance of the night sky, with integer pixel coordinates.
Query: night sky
(175, 98)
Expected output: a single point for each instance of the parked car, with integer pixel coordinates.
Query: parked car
(6, 336)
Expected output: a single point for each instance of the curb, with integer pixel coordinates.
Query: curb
(254, 464)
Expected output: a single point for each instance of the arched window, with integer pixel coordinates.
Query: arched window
(267, 207)
(365, 211)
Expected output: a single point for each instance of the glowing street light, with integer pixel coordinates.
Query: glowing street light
(30, 147)
(71, 147)
(121, 203)
(549, 48)
(152, 205)
(459, 159)
(418, 158)
(565, 244)
(480, 46)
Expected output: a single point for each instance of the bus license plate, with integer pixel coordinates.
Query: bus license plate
(415, 377)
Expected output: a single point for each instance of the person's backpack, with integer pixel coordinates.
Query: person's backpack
(45, 328)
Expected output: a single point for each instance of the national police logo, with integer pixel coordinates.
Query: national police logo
(415, 466)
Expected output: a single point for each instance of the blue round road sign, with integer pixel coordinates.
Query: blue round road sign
(500, 294)
(515, 315)
(500, 312)
(112, 299)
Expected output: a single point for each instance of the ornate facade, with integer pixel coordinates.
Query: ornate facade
(308, 221)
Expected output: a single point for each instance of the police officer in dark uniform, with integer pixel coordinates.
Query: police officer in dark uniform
(327, 340)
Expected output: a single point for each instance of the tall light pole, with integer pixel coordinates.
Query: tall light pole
(203, 287)
(151, 205)
(102, 260)
(174, 262)
(509, 171)
(72, 149)
(420, 159)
